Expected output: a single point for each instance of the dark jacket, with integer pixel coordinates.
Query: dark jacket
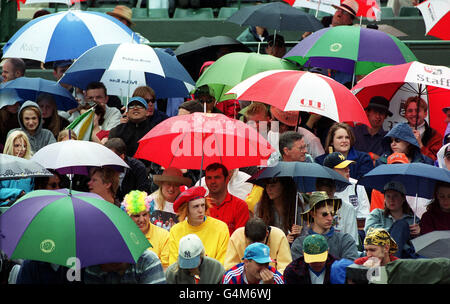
(131, 133)
(363, 162)
(432, 142)
(135, 178)
(297, 272)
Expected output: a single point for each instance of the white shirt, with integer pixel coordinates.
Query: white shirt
(345, 220)
(357, 198)
(313, 142)
(317, 279)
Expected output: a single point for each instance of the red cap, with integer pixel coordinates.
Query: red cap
(397, 158)
(188, 195)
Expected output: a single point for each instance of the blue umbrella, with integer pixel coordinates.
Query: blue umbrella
(9, 97)
(124, 67)
(29, 88)
(419, 179)
(304, 175)
(65, 35)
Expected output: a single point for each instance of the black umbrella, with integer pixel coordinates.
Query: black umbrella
(278, 16)
(194, 53)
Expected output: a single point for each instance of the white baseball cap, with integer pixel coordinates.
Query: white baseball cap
(189, 251)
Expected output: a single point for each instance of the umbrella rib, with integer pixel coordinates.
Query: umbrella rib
(178, 147)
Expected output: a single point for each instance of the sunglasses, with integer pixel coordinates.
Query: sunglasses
(395, 140)
(325, 214)
(136, 106)
(149, 100)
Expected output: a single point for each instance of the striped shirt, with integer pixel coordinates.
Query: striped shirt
(236, 275)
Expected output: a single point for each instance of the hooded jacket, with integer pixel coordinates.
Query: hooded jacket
(440, 156)
(41, 137)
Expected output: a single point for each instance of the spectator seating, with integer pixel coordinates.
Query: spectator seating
(387, 12)
(409, 11)
(190, 13)
(226, 12)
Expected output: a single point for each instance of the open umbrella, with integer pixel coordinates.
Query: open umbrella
(436, 15)
(194, 141)
(65, 35)
(53, 226)
(29, 88)
(277, 16)
(123, 67)
(350, 49)
(435, 244)
(231, 69)
(9, 97)
(193, 54)
(319, 5)
(419, 179)
(304, 174)
(13, 167)
(302, 91)
(396, 83)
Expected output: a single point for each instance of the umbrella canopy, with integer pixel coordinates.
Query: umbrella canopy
(419, 179)
(196, 140)
(52, 226)
(434, 244)
(29, 88)
(124, 67)
(322, 5)
(436, 15)
(9, 97)
(77, 156)
(414, 79)
(13, 167)
(231, 69)
(276, 15)
(350, 49)
(194, 53)
(302, 91)
(304, 175)
(65, 35)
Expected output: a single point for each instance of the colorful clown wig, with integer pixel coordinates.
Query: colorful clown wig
(136, 202)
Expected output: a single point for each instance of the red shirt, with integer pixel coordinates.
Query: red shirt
(233, 211)
(362, 260)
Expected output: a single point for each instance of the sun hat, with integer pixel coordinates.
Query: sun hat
(380, 103)
(290, 118)
(123, 12)
(258, 252)
(350, 6)
(380, 237)
(315, 248)
(394, 185)
(336, 160)
(319, 196)
(173, 175)
(138, 99)
(397, 157)
(189, 251)
(188, 195)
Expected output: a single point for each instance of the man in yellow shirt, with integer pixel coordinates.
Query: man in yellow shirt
(191, 208)
(137, 205)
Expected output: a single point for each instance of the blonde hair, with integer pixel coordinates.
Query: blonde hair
(255, 108)
(144, 90)
(183, 210)
(65, 133)
(159, 199)
(9, 145)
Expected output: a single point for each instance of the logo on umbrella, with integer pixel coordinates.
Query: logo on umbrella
(47, 246)
(432, 70)
(134, 238)
(335, 47)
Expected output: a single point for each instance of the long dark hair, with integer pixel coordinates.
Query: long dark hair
(266, 208)
(435, 202)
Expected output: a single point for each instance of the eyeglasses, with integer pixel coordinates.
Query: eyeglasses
(325, 214)
(150, 100)
(395, 140)
(136, 106)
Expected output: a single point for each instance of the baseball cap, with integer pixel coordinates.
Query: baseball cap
(189, 251)
(258, 252)
(397, 157)
(394, 185)
(315, 248)
(138, 99)
(336, 160)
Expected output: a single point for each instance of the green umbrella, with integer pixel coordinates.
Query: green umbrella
(53, 226)
(231, 69)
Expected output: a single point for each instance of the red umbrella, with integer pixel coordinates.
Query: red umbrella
(302, 91)
(430, 82)
(196, 140)
(436, 14)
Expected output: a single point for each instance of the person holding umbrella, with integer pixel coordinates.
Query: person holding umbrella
(437, 216)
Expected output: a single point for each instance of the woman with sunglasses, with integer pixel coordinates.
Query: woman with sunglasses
(318, 218)
(402, 140)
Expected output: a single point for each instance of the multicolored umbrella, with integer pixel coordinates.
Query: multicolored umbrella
(66, 35)
(302, 91)
(436, 15)
(53, 226)
(430, 82)
(196, 140)
(350, 49)
(126, 66)
(231, 69)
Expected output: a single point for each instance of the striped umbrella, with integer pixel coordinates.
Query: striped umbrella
(65, 35)
(83, 125)
(436, 15)
(350, 49)
(53, 226)
(124, 67)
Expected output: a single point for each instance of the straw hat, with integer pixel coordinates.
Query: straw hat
(173, 175)
(122, 11)
(289, 118)
(350, 6)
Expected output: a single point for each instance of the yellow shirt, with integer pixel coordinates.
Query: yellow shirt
(159, 238)
(213, 233)
(254, 197)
